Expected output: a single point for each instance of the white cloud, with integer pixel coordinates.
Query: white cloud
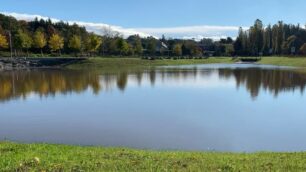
(91, 27)
(200, 37)
(185, 32)
(194, 32)
(190, 29)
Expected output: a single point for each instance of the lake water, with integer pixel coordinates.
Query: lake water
(235, 108)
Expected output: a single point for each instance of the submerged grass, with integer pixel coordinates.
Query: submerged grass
(48, 157)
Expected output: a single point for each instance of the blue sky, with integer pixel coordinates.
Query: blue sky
(143, 15)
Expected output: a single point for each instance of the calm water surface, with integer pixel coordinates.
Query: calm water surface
(203, 107)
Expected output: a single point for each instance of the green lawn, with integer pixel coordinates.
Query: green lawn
(284, 61)
(117, 63)
(48, 157)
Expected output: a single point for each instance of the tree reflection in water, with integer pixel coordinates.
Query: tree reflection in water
(20, 84)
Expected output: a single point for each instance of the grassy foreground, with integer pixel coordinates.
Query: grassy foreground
(48, 157)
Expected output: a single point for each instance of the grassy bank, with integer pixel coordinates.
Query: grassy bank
(46, 157)
(117, 63)
(284, 61)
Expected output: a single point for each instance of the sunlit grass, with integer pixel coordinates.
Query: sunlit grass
(47, 157)
(284, 61)
(117, 63)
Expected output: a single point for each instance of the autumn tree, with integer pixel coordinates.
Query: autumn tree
(75, 43)
(177, 49)
(3, 42)
(24, 41)
(39, 41)
(93, 43)
(56, 43)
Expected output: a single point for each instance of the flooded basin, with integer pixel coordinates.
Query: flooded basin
(234, 107)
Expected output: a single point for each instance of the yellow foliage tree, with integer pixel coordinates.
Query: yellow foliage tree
(3, 42)
(56, 43)
(75, 43)
(177, 49)
(39, 40)
(93, 43)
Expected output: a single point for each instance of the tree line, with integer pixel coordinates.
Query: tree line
(46, 37)
(42, 37)
(279, 39)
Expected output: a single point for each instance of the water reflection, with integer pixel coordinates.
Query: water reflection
(20, 84)
(202, 107)
(274, 80)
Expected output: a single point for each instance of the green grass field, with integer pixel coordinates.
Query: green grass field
(284, 61)
(48, 157)
(118, 63)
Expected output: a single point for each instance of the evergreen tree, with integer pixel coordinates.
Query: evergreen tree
(238, 44)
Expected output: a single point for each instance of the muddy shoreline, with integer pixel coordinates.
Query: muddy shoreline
(29, 63)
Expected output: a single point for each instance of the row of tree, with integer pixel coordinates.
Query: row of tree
(45, 36)
(279, 39)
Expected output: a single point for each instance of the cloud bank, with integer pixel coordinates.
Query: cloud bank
(185, 32)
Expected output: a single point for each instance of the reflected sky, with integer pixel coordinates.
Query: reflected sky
(202, 107)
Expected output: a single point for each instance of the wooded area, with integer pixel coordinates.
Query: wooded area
(44, 37)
